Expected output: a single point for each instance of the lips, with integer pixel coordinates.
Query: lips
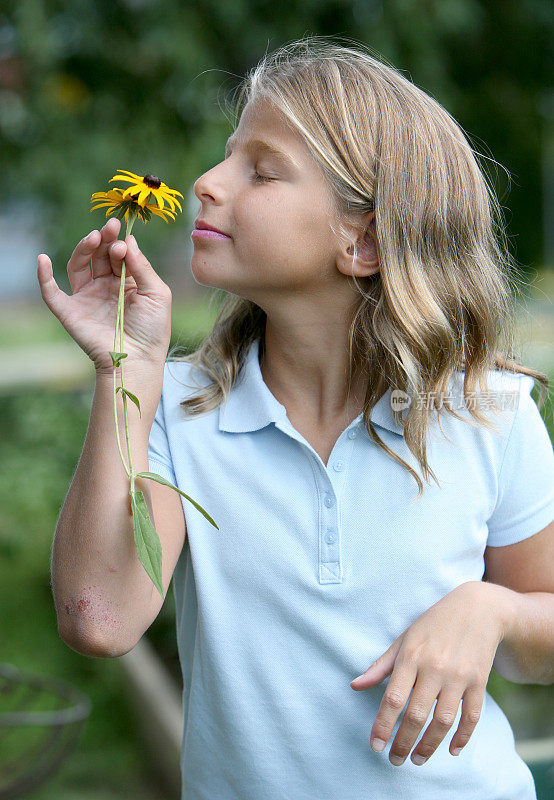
(199, 224)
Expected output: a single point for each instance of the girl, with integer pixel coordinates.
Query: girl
(372, 518)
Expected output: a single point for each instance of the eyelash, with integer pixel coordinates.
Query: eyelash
(257, 178)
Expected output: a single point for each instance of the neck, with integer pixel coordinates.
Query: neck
(307, 370)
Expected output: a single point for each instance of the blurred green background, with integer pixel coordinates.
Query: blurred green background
(90, 87)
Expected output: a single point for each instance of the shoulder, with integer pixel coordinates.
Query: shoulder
(504, 392)
(504, 401)
(184, 377)
(184, 381)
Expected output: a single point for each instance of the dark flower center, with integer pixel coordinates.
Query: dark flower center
(152, 181)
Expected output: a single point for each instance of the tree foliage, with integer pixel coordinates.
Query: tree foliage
(89, 86)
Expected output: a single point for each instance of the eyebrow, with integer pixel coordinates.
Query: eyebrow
(267, 147)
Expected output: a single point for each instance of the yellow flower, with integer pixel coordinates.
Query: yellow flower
(150, 184)
(134, 200)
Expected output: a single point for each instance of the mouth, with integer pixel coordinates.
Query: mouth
(202, 230)
(199, 233)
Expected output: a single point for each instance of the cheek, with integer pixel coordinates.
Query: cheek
(275, 224)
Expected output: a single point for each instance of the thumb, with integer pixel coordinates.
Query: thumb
(378, 671)
(51, 293)
(137, 265)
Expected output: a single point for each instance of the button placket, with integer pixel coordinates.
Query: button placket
(330, 563)
(329, 555)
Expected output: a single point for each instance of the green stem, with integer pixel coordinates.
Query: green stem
(119, 323)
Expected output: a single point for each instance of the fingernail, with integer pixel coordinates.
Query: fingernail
(418, 759)
(132, 241)
(456, 751)
(378, 745)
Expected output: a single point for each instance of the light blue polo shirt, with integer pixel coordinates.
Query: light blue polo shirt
(314, 572)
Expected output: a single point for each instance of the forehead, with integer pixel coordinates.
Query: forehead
(262, 123)
(263, 116)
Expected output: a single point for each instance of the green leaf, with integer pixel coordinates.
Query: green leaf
(147, 541)
(158, 478)
(116, 357)
(130, 396)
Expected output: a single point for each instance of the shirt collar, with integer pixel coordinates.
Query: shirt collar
(251, 405)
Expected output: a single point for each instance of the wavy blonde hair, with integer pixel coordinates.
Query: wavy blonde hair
(442, 300)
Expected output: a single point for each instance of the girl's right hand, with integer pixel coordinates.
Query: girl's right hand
(89, 314)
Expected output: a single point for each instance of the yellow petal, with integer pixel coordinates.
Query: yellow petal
(114, 194)
(158, 197)
(126, 172)
(170, 201)
(143, 196)
(104, 204)
(159, 213)
(162, 210)
(124, 178)
(173, 191)
(132, 190)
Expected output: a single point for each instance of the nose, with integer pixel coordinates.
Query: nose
(209, 185)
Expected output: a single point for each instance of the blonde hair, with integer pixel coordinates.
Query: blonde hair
(442, 298)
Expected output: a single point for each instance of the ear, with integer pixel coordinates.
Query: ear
(366, 262)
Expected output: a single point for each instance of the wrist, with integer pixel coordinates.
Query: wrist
(503, 602)
(141, 372)
(145, 385)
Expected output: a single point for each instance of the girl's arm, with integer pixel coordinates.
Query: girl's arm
(446, 655)
(100, 587)
(525, 573)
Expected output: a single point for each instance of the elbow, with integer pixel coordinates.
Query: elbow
(88, 643)
(87, 628)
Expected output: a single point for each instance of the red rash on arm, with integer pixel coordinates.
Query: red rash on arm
(91, 605)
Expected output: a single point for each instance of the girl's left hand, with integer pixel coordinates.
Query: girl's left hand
(445, 655)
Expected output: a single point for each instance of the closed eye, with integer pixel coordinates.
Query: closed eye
(257, 178)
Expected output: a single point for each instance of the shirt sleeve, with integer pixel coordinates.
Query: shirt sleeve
(525, 502)
(159, 455)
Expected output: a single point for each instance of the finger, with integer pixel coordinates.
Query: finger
(448, 702)
(419, 708)
(380, 668)
(472, 703)
(52, 295)
(394, 699)
(78, 269)
(101, 263)
(117, 253)
(137, 265)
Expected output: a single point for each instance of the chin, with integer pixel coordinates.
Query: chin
(206, 272)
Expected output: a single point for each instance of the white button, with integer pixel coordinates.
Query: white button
(330, 538)
(328, 500)
(352, 434)
(338, 465)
